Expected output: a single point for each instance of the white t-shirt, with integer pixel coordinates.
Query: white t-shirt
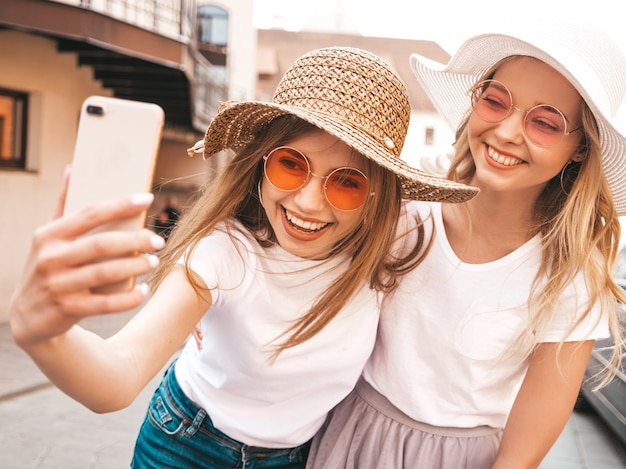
(257, 293)
(442, 352)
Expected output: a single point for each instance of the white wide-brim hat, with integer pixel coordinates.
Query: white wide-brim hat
(588, 58)
(351, 94)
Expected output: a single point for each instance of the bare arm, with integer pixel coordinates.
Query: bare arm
(53, 295)
(543, 405)
(107, 375)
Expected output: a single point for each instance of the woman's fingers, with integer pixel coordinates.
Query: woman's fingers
(80, 304)
(58, 211)
(90, 276)
(83, 221)
(34, 319)
(53, 253)
(69, 258)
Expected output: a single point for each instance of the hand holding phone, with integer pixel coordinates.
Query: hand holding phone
(115, 156)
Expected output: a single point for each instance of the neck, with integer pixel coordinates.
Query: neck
(489, 226)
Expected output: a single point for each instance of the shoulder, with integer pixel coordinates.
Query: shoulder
(226, 260)
(227, 248)
(231, 242)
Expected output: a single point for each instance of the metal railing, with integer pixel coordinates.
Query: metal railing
(171, 18)
(174, 19)
(210, 88)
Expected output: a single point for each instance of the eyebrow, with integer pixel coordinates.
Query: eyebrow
(334, 168)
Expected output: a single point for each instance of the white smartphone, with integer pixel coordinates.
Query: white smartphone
(115, 156)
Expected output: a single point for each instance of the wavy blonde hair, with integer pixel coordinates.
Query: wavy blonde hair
(580, 232)
(234, 196)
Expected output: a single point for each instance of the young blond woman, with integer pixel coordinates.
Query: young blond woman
(283, 260)
(482, 348)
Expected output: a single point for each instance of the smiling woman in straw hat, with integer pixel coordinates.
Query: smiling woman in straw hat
(282, 260)
(482, 348)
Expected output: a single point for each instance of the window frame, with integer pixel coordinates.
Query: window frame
(211, 18)
(17, 158)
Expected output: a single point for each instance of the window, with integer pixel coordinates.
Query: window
(213, 36)
(13, 107)
(213, 25)
(429, 136)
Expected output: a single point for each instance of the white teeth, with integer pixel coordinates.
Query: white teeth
(306, 225)
(505, 160)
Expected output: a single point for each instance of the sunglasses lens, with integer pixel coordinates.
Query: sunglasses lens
(286, 169)
(491, 101)
(346, 188)
(544, 125)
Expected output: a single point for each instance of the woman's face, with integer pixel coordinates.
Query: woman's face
(506, 159)
(304, 222)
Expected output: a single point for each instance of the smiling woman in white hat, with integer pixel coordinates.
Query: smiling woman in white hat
(481, 350)
(283, 260)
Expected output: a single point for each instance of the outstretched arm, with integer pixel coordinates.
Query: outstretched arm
(107, 374)
(53, 295)
(544, 404)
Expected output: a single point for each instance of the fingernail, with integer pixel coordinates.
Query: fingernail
(157, 242)
(152, 260)
(143, 288)
(143, 198)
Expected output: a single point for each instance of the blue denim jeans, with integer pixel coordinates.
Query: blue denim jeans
(176, 433)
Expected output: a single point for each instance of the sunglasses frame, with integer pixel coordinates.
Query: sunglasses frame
(311, 173)
(474, 99)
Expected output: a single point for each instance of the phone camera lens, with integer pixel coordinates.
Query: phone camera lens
(97, 110)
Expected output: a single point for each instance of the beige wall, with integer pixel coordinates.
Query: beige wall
(57, 88)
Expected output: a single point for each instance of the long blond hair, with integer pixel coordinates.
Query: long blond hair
(234, 196)
(580, 232)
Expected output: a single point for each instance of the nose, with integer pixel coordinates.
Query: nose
(310, 197)
(511, 128)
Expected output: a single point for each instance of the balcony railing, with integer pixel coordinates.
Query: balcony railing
(144, 50)
(208, 91)
(171, 18)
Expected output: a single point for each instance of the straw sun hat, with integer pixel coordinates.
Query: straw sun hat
(351, 94)
(590, 60)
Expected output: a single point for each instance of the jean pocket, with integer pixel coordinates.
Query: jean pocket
(165, 418)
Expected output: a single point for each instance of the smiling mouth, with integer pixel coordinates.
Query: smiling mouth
(303, 225)
(503, 160)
